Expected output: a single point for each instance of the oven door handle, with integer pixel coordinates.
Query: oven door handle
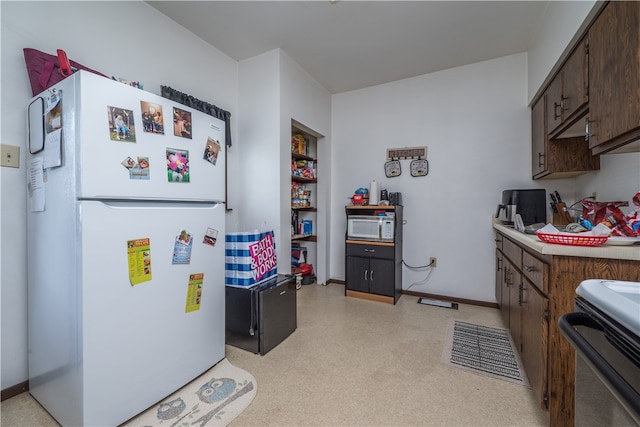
(625, 394)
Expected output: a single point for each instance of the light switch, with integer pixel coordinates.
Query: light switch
(10, 156)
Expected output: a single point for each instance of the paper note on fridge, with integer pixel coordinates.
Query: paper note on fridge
(52, 149)
(36, 185)
(139, 260)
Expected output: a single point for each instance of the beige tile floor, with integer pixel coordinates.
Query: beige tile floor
(353, 362)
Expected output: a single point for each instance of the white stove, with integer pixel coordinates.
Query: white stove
(605, 332)
(618, 299)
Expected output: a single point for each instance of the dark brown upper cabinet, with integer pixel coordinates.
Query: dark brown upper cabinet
(557, 158)
(569, 95)
(614, 79)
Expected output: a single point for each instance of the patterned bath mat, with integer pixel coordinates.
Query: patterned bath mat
(483, 350)
(213, 399)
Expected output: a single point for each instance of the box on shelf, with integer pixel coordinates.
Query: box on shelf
(299, 144)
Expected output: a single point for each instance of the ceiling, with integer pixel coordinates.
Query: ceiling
(348, 45)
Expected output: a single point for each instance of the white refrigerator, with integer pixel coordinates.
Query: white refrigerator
(126, 224)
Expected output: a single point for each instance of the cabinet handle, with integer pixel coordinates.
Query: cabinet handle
(365, 275)
(499, 264)
(586, 129)
(528, 268)
(369, 250)
(521, 290)
(371, 276)
(540, 161)
(556, 116)
(506, 276)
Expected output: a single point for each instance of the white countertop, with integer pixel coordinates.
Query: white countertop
(605, 251)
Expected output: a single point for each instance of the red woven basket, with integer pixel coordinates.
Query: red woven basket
(572, 239)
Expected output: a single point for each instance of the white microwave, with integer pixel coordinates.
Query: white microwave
(369, 227)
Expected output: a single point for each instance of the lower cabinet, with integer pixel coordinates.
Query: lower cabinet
(513, 311)
(371, 271)
(371, 275)
(545, 286)
(524, 309)
(534, 310)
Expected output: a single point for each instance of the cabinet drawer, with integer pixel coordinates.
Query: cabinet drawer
(372, 251)
(499, 240)
(535, 270)
(512, 251)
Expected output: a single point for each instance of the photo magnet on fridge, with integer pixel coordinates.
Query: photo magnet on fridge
(137, 170)
(121, 124)
(211, 150)
(177, 165)
(181, 123)
(152, 118)
(211, 237)
(182, 248)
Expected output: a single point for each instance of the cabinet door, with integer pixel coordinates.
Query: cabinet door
(554, 103)
(558, 158)
(574, 82)
(614, 74)
(535, 338)
(357, 274)
(538, 137)
(381, 277)
(499, 276)
(514, 283)
(504, 291)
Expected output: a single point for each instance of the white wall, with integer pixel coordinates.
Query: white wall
(475, 123)
(307, 102)
(273, 89)
(126, 39)
(259, 130)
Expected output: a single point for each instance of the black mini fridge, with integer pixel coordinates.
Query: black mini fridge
(260, 317)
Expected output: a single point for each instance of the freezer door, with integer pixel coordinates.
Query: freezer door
(141, 341)
(124, 153)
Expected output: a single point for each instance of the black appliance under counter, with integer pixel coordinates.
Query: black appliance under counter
(260, 317)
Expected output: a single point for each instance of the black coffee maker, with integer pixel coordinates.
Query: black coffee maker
(529, 204)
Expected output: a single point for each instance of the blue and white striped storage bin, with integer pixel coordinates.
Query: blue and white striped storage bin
(250, 258)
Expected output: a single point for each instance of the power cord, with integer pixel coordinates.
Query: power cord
(422, 267)
(418, 267)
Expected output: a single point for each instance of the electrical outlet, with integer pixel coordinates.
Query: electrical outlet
(433, 262)
(10, 155)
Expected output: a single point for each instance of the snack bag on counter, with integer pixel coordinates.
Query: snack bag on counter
(609, 214)
(633, 219)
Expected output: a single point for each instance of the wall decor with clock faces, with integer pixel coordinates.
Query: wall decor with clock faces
(392, 168)
(419, 167)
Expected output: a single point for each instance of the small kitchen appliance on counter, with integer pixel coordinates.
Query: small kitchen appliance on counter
(529, 204)
(395, 199)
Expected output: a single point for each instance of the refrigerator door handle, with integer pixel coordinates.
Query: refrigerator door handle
(137, 203)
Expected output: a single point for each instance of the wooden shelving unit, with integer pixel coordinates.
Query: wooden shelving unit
(304, 190)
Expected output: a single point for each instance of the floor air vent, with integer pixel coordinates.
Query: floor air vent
(438, 303)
